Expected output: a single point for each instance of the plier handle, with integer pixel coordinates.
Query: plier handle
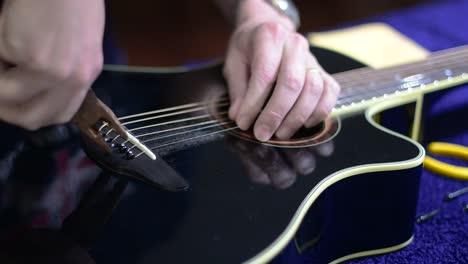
(445, 169)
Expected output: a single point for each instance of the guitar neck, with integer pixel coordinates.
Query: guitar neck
(364, 87)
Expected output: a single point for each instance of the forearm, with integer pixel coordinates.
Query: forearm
(243, 11)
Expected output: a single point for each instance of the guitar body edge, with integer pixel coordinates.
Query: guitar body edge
(275, 248)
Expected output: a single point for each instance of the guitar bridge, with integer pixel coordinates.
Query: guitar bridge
(107, 143)
(99, 123)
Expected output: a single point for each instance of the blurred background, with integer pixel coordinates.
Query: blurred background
(170, 33)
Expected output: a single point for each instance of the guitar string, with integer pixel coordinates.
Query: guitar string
(436, 56)
(195, 109)
(366, 92)
(175, 121)
(186, 139)
(166, 136)
(413, 69)
(207, 102)
(185, 132)
(165, 123)
(452, 52)
(175, 128)
(153, 139)
(222, 99)
(354, 95)
(362, 82)
(190, 138)
(343, 83)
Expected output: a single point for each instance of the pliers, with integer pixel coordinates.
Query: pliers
(445, 169)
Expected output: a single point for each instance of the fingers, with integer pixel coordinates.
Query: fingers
(289, 85)
(327, 101)
(235, 73)
(19, 85)
(270, 56)
(47, 108)
(305, 105)
(265, 62)
(33, 100)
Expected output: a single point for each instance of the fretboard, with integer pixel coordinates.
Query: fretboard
(364, 87)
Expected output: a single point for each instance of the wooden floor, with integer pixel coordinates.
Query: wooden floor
(168, 33)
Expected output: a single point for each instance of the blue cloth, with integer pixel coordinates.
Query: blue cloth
(443, 239)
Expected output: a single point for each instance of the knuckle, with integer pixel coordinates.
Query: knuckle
(336, 87)
(273, 118)
(265, 75)
(314, 86)
(323, 111)
(292, 83)
(299, 40)
(332, 85)
(273, 29)
(314, 89)
(87, 72)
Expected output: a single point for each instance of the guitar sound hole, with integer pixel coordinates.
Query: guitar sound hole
(304, 137)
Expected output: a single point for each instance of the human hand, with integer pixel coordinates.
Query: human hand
(266, 56)
(53, 50)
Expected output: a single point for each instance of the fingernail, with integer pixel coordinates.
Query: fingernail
(284, 133)
(262, 133)
(311, 122)
(315, 78)
(243, 122)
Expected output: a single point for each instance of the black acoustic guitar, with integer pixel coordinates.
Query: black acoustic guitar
(344, 189)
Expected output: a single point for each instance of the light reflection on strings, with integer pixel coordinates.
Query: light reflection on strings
(185, 132)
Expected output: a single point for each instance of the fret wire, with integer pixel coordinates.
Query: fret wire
(408, 69)
(391, 72)
(433, 57)
(365, 85)
(383, 87)
(378, 74)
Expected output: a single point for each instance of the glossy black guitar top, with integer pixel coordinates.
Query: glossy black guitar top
(345, 189)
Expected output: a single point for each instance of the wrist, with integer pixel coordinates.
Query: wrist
(259, 11)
